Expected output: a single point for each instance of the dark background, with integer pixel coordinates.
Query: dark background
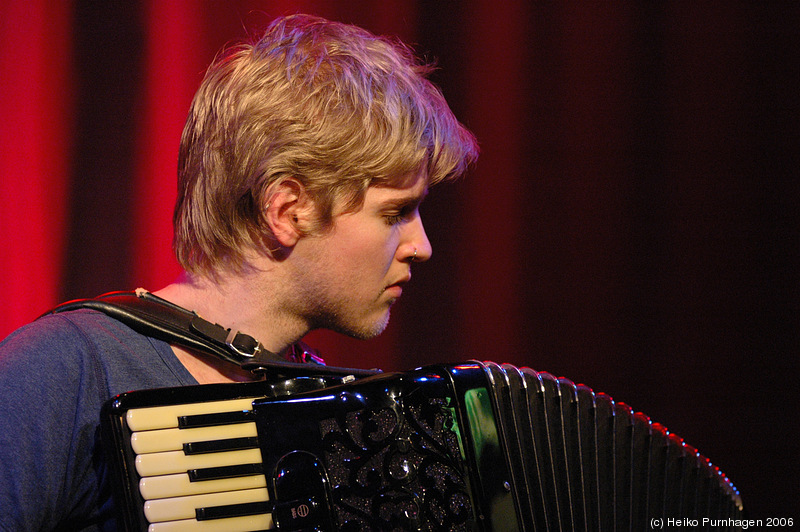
(631, 224)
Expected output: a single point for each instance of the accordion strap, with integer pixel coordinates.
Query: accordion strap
(153, 316)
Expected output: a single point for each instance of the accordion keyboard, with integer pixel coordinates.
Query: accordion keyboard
(199, 467)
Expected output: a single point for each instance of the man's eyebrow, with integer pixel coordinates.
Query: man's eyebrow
(407, 201)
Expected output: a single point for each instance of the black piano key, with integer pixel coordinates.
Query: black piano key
(216, 446)
(215, 419)
(216, 473)
(233, 510)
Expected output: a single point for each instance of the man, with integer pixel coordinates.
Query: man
(303, 164)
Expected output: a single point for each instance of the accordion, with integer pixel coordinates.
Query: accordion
(475, 446)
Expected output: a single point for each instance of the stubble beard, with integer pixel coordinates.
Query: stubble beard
(327, 307)
(343, 322)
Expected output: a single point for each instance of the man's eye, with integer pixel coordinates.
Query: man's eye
(394, 219)
(399, 217)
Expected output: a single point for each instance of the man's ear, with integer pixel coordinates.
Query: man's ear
(287, 209)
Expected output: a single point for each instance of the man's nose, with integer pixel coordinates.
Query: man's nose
(420, 247)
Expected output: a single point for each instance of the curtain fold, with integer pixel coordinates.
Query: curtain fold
(36, 107)
(173, 37)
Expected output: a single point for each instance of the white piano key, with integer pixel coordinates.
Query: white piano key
(175, 508)
(233, 524)
(179, 485)
(156, 441)
(163, 417)
(166, 463)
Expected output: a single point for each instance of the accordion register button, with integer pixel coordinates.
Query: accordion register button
(300, 493)
(300, 514)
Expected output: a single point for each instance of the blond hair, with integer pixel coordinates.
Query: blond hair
(326, 103)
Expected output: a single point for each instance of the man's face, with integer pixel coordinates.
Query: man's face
(351, 274)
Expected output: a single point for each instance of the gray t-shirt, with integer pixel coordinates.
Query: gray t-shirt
(55, 374)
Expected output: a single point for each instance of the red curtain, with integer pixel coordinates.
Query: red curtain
(35, 140)
(631, 223)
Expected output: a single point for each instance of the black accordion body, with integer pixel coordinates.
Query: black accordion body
(477, 446)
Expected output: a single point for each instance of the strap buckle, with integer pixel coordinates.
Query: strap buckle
(230, 341)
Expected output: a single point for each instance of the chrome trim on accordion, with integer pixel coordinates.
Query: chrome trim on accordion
(474, 446)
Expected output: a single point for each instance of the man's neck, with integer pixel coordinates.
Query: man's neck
(234, 303)
(207, 369)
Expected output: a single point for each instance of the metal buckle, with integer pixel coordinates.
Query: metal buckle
(229, 342)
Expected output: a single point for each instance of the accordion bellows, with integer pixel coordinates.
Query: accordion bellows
(475, 446)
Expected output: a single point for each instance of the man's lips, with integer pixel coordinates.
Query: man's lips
(396, 289)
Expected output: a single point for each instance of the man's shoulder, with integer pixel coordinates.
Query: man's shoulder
(79, 325)
(71, 337)
(80, 343)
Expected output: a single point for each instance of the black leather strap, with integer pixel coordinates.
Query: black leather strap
(153, 316)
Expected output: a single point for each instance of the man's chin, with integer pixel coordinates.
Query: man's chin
(365, 331)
